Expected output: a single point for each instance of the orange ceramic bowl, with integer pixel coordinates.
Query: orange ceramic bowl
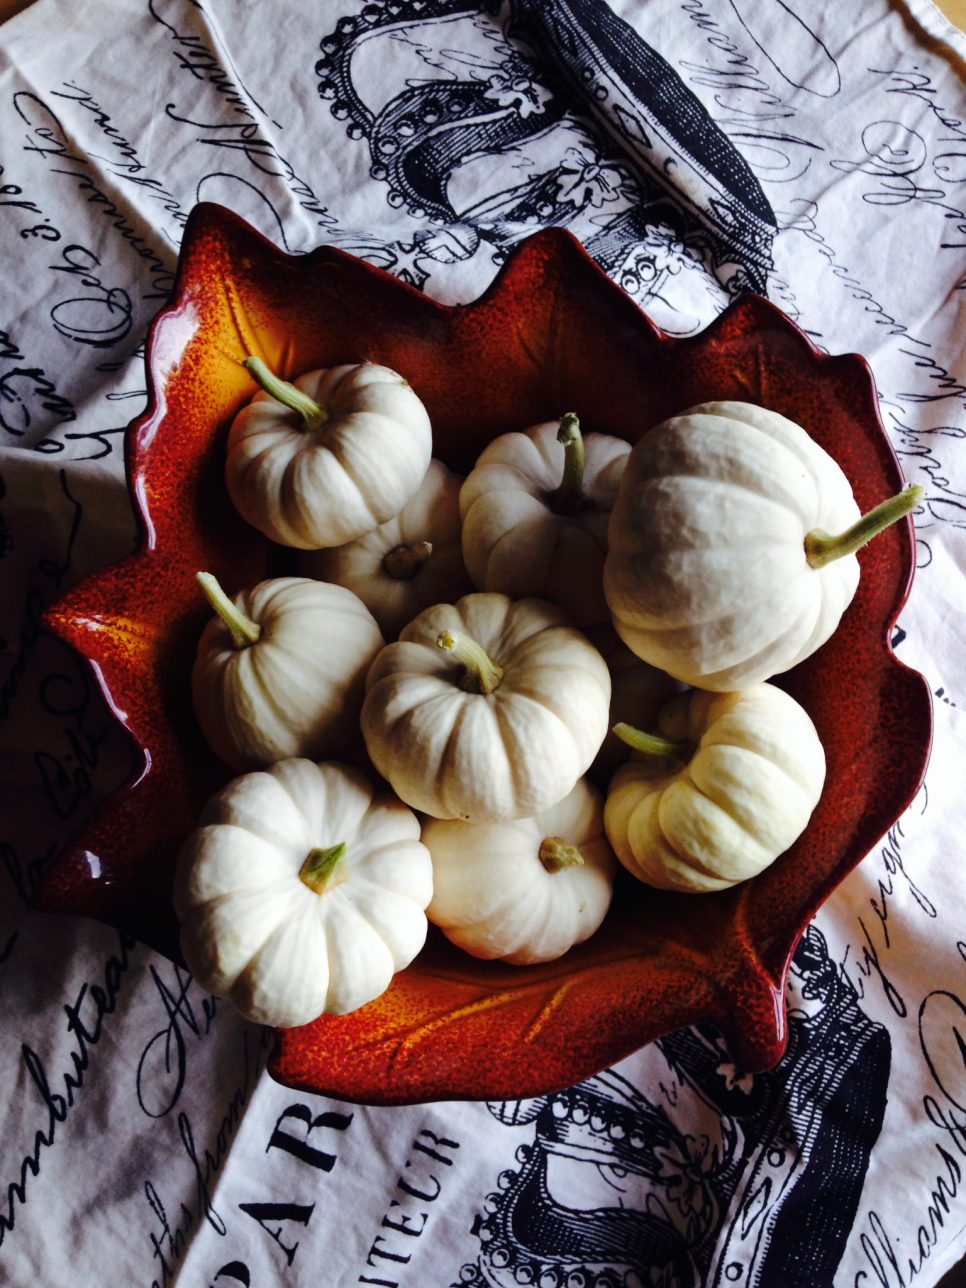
(551, 333)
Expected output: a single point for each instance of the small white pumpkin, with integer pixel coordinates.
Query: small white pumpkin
(302, 892)
(730, 782)
(720, 568)
(535, 511)
(406, 564)
(486, 709)
(527, 890)
(320, 461)
(280, 670)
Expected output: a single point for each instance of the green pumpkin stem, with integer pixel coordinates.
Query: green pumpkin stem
(313, 415)
(324, 868)
(822, 548)
(480, 673)
(556, 854)
(653, 744)
(244, 632)
(402, 561)
(569, 495)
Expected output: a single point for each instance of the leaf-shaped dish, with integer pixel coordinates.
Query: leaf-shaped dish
(551, 333)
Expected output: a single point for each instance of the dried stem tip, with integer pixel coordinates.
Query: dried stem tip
(480, 673)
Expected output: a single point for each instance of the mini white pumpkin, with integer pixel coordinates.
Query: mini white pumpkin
(535, 511)
(406, 564)
(527, 890)
(721, 570)
(730, 782)
(320, 461)
(486, 709)
(280, 670)
(302, 892)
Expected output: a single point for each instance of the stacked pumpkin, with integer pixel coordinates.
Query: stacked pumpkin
(308, 883)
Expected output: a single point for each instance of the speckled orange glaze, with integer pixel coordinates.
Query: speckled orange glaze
(551, 334)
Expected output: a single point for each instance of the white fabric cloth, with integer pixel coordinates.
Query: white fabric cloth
(142, 1141)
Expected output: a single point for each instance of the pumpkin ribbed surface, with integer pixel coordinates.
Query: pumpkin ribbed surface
(507, 754)
(310, 488)
(252, 931)
(706, 575)
(744, 795)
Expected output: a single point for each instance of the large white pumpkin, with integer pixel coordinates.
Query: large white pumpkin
(720, 569)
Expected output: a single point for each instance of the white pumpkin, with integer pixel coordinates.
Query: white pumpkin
(280, 670)
(527, 890)
(720, 569)
(320, 461)
(406, 564)
(741, 775)
(486, 709)
(302, 892)
(535, 511)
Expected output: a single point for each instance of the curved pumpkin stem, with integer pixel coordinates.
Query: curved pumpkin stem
(569, 495)
(480, 673)
(313, 415)
(652, 744)
(244, 632)
(822, 548)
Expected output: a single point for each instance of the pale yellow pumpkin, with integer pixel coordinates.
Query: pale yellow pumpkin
(731, 784)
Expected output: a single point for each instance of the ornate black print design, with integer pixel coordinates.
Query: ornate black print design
(495, 121)
(785, 1152)
(684, 163)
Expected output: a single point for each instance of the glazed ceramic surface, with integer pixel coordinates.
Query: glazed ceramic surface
(551, 334)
